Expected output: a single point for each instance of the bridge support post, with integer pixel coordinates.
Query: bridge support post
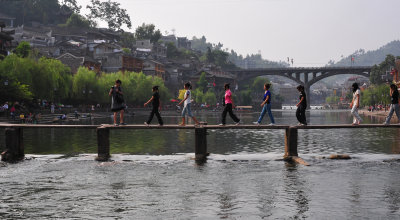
(308, 94)
(290, 142)
(14, 145)
(103, 144)
(201, 144)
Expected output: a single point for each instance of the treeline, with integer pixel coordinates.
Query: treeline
(28, 78)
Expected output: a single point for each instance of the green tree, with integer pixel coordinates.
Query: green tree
(71, 5)
(381, 69)
(109, 12)
(210, 97)
(148, 31)
(76, 20)
(202, 83)
(23, 49)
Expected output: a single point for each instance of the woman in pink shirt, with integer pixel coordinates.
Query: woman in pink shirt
(228, 106)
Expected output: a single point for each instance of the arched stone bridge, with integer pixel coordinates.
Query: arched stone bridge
(305, 76)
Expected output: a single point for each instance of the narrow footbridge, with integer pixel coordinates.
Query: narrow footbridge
(15, 147)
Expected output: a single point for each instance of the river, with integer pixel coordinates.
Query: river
(153, 175)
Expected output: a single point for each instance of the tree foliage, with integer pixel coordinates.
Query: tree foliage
(23, 49)
(71, 5)
(381, 69)
(109, 12)
(148, 31)
(76, 20)
(376, 94)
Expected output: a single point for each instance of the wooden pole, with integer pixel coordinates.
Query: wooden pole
(14, 145)
(201, 144)
(290, 142)
(103, 144)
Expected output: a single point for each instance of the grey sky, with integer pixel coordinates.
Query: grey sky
(310, 31)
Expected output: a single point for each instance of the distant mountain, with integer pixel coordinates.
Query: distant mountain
(369, 58)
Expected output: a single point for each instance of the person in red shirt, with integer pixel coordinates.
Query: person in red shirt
(228, 101)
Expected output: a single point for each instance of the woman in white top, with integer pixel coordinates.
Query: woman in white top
(355, 104)
(186, 109)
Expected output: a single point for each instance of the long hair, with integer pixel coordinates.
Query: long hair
(355, 87)
(393, 86)
(155, 88)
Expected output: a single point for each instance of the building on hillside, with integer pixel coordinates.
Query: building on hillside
(144, 44)
(92, 64)
(215, 79)
(183, 42)
(169, 39)
(72, 61)
(154, 68)
(35, 36)
(5, 41)
(8, 20)
(159, 50)
(130, 63)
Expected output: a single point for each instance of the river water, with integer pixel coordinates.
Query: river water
(153, 175)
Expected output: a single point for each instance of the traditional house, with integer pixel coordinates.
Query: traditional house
(35, 36)
(168, 39)
(154, 68)
(8, 20)
(72, 61)
(144, 44)
(92, 64)
(130, 63)
(5, 40)
(183, 42)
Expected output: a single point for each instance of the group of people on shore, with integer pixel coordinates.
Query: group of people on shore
(118, 105)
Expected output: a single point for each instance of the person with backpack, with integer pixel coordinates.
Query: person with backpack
(117, 102)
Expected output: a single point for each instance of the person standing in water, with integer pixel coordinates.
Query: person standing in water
(266, 106)
(155, 100)
(301, 106)
(186, 109)
(394, 106)
(117, 102)
(355, 104)
(229, 107)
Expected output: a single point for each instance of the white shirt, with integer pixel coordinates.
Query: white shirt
(188, 94)
(355, 97)
(5, 106)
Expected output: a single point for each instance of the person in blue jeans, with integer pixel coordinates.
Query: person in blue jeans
(266, 104)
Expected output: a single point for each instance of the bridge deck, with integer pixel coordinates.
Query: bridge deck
(335, 126)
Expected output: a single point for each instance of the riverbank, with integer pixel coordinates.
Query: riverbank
(379, 114)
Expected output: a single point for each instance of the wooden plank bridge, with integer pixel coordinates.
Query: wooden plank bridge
(15, 148)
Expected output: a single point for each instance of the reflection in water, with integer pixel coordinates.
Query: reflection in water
(296, 188)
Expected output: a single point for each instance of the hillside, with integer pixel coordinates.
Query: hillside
(370, 58)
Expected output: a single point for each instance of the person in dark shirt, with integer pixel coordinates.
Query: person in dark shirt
(301, 106)
(394, 107)
(156, 103)
(117, 102)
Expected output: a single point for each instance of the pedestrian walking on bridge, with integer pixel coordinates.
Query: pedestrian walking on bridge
(394, 107)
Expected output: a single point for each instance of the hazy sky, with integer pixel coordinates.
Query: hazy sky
(310, 31)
